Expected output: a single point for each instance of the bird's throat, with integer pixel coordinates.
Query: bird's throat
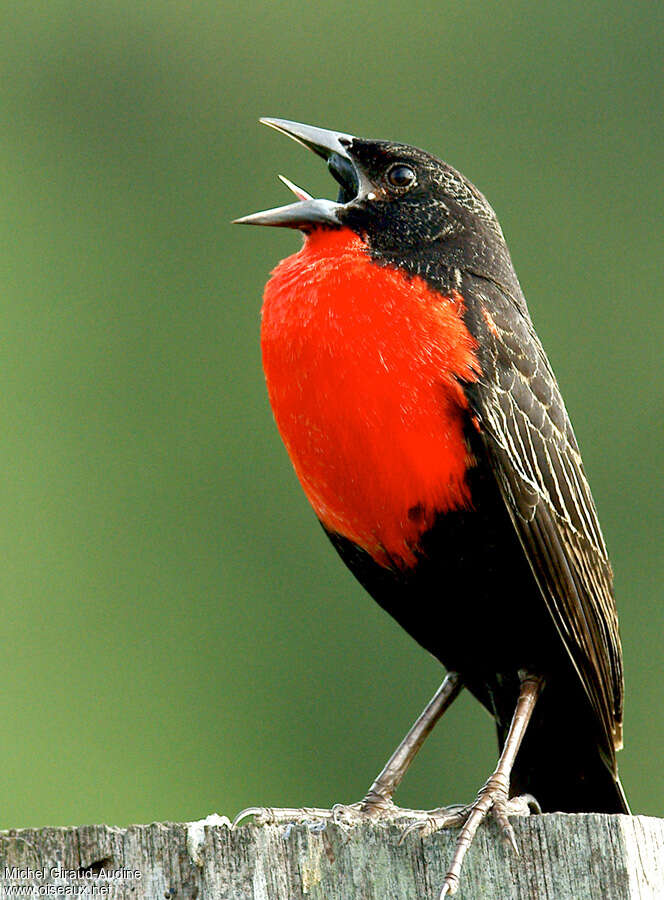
(364, 366)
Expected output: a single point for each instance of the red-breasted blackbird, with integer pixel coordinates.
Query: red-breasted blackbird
(427, 429)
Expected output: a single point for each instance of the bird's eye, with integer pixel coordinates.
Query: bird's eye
(401, 176)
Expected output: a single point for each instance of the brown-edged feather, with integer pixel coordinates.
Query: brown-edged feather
(535, 458)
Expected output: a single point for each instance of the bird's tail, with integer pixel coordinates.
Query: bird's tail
(561, 762)
(583, 784)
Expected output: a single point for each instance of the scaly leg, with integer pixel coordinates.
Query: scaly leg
(378, 799)
(494, 795)
(380, 793)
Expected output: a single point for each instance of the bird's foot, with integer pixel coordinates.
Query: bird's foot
(373, 808)
(493, 797)
(432, 820)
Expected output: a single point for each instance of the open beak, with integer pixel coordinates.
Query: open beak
(309, 211)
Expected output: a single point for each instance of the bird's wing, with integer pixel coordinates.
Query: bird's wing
(536, 461)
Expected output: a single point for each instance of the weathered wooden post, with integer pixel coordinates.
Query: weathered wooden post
(566, 857)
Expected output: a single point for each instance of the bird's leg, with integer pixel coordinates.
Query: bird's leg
(380, 793)
(378, 799)
(494, 795)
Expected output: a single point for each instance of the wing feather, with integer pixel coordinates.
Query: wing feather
(535, 458)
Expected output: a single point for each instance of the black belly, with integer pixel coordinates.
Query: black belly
(471, 600)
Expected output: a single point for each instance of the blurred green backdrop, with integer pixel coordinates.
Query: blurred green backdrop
(178, 636)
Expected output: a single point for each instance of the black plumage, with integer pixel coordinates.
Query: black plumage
(528, 565)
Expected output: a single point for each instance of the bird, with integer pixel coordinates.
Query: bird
(427, 429)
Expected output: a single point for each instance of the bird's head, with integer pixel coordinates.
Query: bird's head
(411, 208)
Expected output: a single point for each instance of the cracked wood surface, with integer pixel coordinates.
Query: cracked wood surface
(566, 857)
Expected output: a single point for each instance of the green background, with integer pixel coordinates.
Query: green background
(177, 635)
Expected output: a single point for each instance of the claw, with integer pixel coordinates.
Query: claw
(425, 827)
(510, 838)
(450, 886)
(409, 829)
(532, 804)
(245, 813)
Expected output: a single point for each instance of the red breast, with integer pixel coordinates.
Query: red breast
(363, 366)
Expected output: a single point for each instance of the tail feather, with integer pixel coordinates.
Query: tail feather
(562, 762)
(581, 785)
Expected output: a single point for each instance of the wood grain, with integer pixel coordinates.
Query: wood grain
(563, 857)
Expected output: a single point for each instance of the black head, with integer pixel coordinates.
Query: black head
(414, 210)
